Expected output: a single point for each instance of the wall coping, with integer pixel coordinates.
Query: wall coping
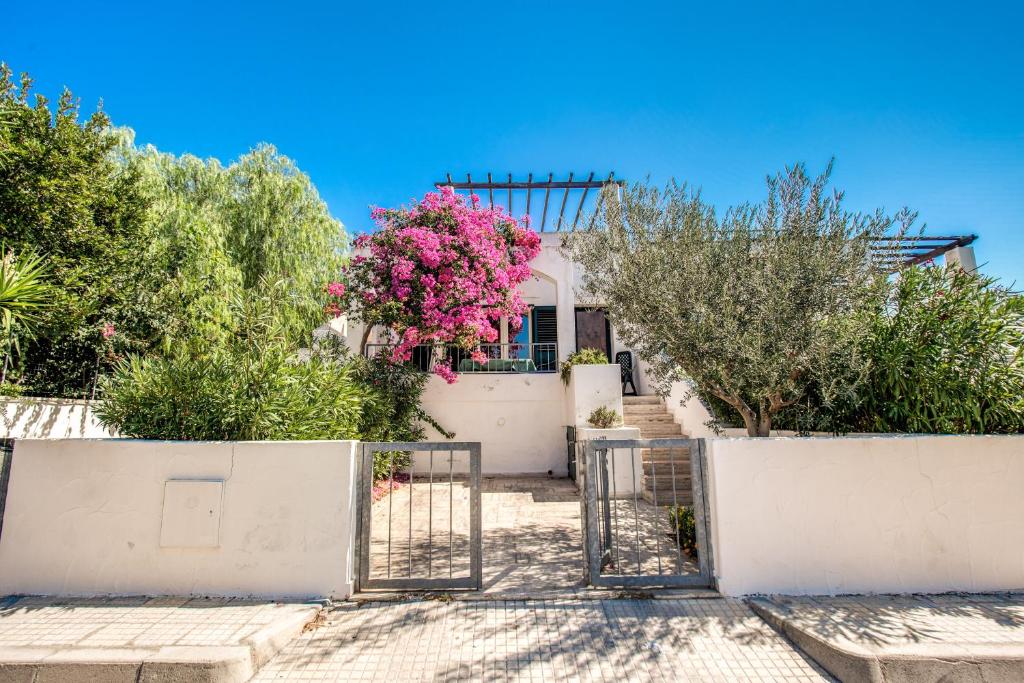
(47, 400)
(863, 437)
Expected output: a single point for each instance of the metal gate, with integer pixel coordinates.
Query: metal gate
(636, 531)
(6, 456)
(423, 531)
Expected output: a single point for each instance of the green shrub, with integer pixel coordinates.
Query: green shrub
(684, 527)
(944, 354)
(947, 356)
(604, 418)
(582, 357)
(237, 393)
(391, 409)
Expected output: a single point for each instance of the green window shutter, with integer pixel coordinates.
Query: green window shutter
(545, 325)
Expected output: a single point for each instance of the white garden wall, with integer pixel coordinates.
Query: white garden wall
(517, 418)
(592, 387)
(690, 413)
(129, 517)
(867, 514)
(50, 418)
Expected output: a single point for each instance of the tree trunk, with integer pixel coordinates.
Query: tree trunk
(366, 337)
(758, 424)
(750, 422)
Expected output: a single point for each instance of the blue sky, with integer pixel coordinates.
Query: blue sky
(922, 104)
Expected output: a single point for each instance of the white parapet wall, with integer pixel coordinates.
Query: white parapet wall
(517, 418)
(89, 517)
(591, 387)
(881, 514)
(688, 410)
(625, 465)
(50, 418)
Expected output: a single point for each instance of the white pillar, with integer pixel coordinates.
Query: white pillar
(963, 257)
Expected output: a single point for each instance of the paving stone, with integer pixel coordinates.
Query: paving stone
(526, 640)
(113, 639)
(531, 535)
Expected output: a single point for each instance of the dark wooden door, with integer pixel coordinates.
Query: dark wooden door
(593, 331)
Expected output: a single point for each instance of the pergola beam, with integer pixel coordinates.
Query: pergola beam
(894, 252)
(511, 186)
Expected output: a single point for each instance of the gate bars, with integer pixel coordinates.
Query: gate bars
(400, 572)
(614, 523)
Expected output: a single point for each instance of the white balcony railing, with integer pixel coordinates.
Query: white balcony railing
(501, 358)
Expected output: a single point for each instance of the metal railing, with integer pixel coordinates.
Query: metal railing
(500, 358)
(634, 491)
(425, 533)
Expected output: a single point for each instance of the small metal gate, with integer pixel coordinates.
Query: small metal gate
(630, 539)
(441, 497)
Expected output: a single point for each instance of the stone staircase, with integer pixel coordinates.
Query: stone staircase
(661, 465)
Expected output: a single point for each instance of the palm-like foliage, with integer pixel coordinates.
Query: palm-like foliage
(24, 293)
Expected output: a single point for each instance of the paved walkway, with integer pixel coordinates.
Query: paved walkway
(953, 637)
(131, 639)
(545, 640)
(531, 535)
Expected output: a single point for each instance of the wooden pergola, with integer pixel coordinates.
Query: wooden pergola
(900, 252)
(893, 252)
(573, 186)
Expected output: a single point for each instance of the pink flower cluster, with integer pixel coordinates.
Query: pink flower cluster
(442, 272)
(383, 487)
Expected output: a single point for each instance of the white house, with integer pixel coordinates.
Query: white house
(517, 405)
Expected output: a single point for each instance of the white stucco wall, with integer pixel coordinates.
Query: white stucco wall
(625, 466)
(868, 514)
(517, 418)
(592, 387)
(539, 290)
(691, 414)
(88, 517)
(50, 418)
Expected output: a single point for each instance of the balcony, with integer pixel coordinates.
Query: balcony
(501, 358)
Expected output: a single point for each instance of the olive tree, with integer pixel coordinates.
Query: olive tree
(753, 307)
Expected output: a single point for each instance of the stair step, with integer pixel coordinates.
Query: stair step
(667, 469)
(661, 432)
(645, 409)
(681, 454)
(665, 476)
(641, 400)
(669, 427)
(683, 483)
(681, 498)
(648, 418)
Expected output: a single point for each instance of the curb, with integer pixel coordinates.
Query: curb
(843, 664)
(852, 662)
(585, 594)
(169, 664)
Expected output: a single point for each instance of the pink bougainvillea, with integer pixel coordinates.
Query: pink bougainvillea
(443, 272)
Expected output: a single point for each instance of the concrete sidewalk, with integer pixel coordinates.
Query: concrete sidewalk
(143, 639)
(952, 637)
(716, 639)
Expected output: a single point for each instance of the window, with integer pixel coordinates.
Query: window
(544, 329)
